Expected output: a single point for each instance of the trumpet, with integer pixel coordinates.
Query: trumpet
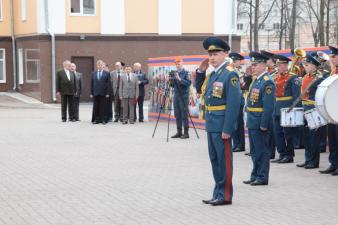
(326, 64)
(298, 55)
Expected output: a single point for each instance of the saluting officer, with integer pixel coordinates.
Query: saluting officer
(310, 83)
(287, 91)
(222, 103)
(332, 128)
(260, 105)
(238, 138)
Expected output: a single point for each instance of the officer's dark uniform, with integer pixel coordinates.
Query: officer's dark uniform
(222, 102)
(333, 133)
(181, 99)
(260, 105)
(311, 137)
(238, 137)
(271, 136)
(287, 91)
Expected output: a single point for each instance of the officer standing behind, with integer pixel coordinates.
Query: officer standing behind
(260, 104)
(142, 81)
(287, 91)
(222, 102)
(332, 128)
(79, 88)
(238, 138)
(182, 84)
(311, 137)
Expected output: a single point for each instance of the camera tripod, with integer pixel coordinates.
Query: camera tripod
(169, 87)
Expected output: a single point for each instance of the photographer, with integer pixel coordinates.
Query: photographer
(181, 82)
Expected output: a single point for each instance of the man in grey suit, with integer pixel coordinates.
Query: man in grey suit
(79, 87)
(65, 86)
(128, 92)
(115, 77)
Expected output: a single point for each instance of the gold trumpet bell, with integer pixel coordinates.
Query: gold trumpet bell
(298, 52)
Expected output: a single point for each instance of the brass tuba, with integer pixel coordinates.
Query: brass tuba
(298, 55)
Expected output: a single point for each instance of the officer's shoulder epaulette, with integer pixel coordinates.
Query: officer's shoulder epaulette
(230, 68)
(266, 77)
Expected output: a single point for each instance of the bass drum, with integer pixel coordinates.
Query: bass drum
(327, 99)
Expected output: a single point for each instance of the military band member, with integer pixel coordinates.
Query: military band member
(222, 102)
(332, 128)
(260, 105)
(287, 91)
(238, 138)
(311, 137)
(182, 84)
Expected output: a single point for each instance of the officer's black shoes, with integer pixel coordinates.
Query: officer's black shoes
(247, 153)
(286, 160)
(64, 120)
(311, 166)
(335, 173)
(276, 160)
(219, 202)
(116, 120)
(257, 183)
(301, 164)
(328, 170)
(248, 181)
(238, 150)
(208, 201)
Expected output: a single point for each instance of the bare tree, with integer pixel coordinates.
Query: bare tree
(293, 24)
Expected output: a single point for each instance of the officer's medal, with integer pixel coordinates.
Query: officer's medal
(217, 90)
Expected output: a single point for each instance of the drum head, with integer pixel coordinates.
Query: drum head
(331, 100)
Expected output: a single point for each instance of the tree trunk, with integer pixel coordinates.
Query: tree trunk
(281, 26)
(327, 23)
(250, 46)
(256, 45)
(293, 24)
(321, 23)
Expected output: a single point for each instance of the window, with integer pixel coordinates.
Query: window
(23, 10)
(276, 26)
(82, 7)
(240, 26)
(2, 66)
(1, 10)
(32, 65)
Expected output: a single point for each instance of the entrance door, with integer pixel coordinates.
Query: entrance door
(85, 65)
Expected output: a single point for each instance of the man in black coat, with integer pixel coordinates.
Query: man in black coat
(65, 86)
(100, 92)
(142, 81)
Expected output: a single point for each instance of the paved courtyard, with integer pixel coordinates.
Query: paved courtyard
(54, 173)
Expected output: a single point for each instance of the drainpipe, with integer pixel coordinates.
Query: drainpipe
(13, 46)
(52, 35)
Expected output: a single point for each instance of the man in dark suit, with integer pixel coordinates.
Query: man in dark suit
(78, 92)
(100, 91)
(65, 86)
(142, 80)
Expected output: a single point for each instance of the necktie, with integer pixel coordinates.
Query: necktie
(128, 78)
(118, 79)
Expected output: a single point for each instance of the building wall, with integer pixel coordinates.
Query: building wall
(141, 16)
(192, 19)
(6, 43)
(28, 26)
(5, 22)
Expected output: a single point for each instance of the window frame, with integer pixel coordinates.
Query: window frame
(23, 10)
(1, 11)
(81, 9)
(3, 81)
(26, 67)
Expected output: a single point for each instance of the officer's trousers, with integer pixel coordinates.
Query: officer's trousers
(323, 139)
(312, 145)
(283, 139)
(181, 112)
(271, 141)
(333, 144)
(238, 138)
(260, 155)
(220, 154)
